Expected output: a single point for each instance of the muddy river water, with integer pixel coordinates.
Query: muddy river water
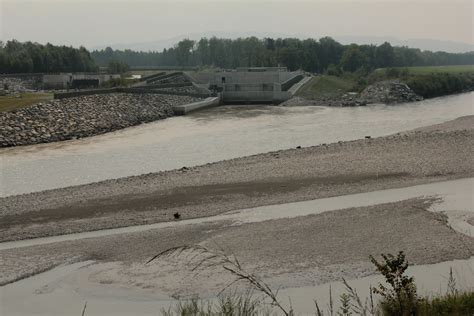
(212, 135)
(208, 136)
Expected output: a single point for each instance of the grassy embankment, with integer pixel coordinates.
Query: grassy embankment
(428, 81)
(425, 70)
(326, 86)
(9, 102)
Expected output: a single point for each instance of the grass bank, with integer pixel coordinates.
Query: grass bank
(424, 70)
(9, 103)
(326, 86)
(428, 81)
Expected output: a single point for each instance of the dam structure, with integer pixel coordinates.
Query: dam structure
(249, 85)
(264, 85)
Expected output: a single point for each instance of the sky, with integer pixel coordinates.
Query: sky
(101, 22)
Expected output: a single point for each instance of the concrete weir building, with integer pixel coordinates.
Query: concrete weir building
(250, 85)
(76, 80)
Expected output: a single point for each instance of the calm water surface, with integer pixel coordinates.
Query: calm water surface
(212, 135)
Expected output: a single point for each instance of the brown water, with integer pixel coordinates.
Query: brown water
(208, 136)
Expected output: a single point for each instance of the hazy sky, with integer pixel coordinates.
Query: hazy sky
(99, 22)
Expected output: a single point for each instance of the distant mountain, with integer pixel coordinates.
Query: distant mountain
(421, 43)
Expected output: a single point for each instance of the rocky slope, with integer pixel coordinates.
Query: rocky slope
(388, 92)
(83, 116)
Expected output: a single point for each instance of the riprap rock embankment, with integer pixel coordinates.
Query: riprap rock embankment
(84, 116)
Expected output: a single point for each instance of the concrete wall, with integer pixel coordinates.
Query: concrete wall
(285, 86)
(297, 86)
(263, 85)
(187, 108)
(240, 77)
(167, 85)
(61, 81)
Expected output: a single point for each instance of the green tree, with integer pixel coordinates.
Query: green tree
(184, 50)
(117, 67)
(353, 59)
(309, 54)
(384, 55)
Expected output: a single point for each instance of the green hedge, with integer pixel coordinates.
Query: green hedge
(439, 84)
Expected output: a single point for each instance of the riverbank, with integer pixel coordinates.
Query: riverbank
(302, 249)
(334, 91)
(294, 246)
(213, 135)
(421, 156)
(83, 116)
(385, 85)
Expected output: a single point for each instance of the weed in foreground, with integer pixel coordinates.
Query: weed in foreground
(401, 299)
(202, 257)
(397, 298)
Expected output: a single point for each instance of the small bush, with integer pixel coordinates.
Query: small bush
(401, 298)
(333, 70)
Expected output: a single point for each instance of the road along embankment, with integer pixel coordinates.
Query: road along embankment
(84, 116)
(433, 154)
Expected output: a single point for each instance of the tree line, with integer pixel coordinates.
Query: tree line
(309, 54)
(28, 57)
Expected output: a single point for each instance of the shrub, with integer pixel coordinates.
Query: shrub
(333, 70)
(438, 84)
(401, 298)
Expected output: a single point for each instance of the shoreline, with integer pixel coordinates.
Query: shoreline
(17, 132)
(84, 116)
(410, 158)
(342, 101)
(300, 250)
(296, 246)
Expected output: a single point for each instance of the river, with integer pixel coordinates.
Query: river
(216, 134)
(65, 289)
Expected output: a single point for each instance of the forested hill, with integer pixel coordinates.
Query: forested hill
(310, 55)
(28, 57)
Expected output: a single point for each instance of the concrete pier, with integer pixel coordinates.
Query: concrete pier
(187, 108)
